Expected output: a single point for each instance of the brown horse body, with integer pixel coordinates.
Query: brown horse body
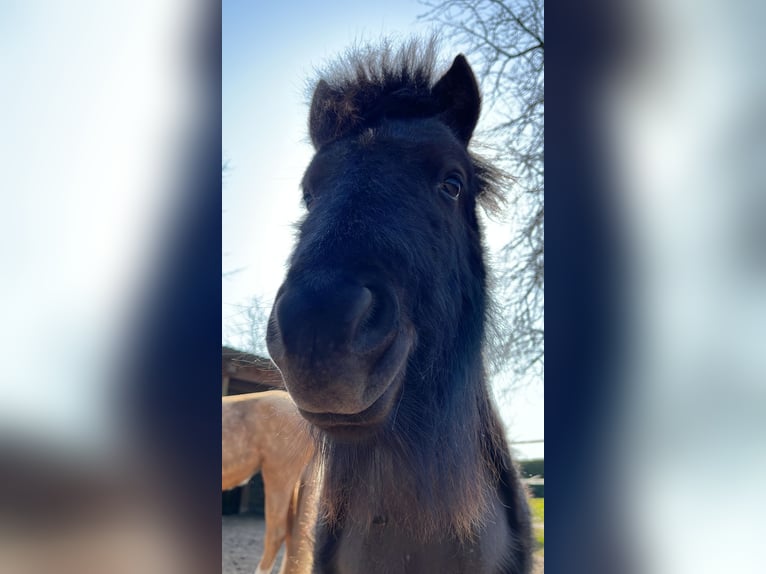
(263, 432)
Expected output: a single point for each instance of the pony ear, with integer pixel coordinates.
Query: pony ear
(320, 115)
(333, 113)
(457, 94)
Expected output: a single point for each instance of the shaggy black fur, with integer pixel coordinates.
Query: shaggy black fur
(432, 488)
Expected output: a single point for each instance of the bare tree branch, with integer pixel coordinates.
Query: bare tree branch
(247, 330)
(505, 42)
(506, 8)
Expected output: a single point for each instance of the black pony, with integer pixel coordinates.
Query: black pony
(378, 327)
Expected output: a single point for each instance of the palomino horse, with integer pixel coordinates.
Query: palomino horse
(264, 432)
(379, 326)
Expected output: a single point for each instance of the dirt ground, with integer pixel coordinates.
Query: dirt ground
(242, 544)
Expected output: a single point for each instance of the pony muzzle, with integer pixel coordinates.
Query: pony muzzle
(340, 347)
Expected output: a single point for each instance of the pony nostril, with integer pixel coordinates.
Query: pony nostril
(377, 327)
(310, 322)
(358, 310)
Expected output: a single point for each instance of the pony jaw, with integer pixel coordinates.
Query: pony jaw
(351, 402)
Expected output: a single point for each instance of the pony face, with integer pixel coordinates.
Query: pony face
(387, 276)
(378, 326)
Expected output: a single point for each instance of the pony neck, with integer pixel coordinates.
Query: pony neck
(425, 475)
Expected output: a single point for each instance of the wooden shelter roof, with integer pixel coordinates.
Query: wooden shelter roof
(248, 372)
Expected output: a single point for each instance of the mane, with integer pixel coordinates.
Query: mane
(372, 83)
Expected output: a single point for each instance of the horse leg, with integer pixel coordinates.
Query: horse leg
(302, 517)
(292, 536)
(289, 519)
(277, 502)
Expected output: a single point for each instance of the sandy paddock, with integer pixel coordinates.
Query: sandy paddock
(242, 544)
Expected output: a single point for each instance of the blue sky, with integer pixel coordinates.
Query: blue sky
(270, 51)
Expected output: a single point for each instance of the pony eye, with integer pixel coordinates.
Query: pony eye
(308, 199)
(451, 187)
